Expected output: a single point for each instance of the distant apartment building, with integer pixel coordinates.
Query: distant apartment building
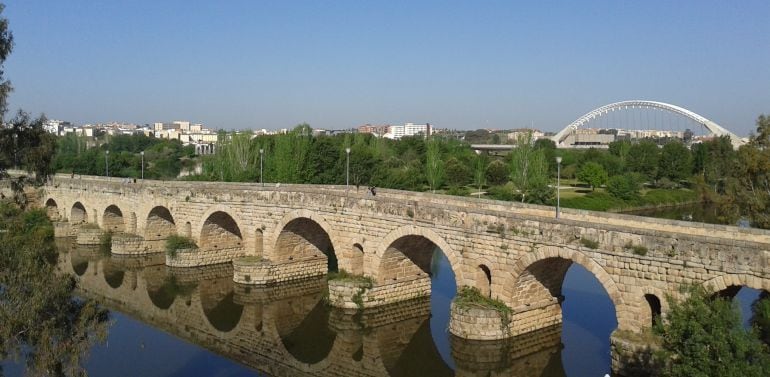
(514, 134)
(409, 129)
(378, 130)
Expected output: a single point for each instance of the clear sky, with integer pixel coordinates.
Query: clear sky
(339, 64)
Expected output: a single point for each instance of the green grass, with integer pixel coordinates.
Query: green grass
(599, 200)
(175, 243)
(589, 243)
(470, 297)
(343, 275)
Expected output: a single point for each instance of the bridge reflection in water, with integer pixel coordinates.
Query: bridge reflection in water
(288, 329)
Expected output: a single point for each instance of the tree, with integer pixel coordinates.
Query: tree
(457, 174)
(675, 162)
(750, 185)
(593, 174)
(434, 167)
(705, 337)
(529, 171)
(624, 186)
(6, 46)
(497, 173)
(643, 158)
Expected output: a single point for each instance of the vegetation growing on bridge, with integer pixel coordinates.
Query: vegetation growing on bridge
(174, 243)
(470, 297)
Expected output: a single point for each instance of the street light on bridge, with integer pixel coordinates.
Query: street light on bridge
(347, 169)
(261, 154)
(142, 153)
(107, 164)
(558, 185)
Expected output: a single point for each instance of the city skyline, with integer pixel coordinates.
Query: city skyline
(339, 65)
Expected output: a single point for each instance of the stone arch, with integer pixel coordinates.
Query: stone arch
(220, 308)
(388, 255)
(655, 307)
(112, 219)
(354, 257)
(537, 281)
(78, 213)
(220, 231)
(112, 275)
(52, 209)
(483, 280)
(159, 224)
(302, 235)
(733, 282)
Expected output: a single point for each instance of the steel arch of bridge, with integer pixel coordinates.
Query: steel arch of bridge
(710, 125)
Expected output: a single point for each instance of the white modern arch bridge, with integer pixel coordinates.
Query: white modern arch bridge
(713, 127)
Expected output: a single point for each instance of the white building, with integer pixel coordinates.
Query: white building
(409, 129)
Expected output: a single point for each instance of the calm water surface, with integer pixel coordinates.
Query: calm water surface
(197, 322)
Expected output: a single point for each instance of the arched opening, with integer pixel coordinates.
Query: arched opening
(303, 325)
(655, 308)
(415, 257)
(222, 312)
(220, 232)
(745, 298)
(484, 280)
(52, 209)
(410, 348)
(163, 288)
(79, 266)
(112, 275)
(78, 214)
(160, 224)
(258, 243)
(187, 229)
(569, 295)
(354, 259)
(113, 219)
(303, 238)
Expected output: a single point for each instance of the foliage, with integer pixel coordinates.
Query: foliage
(624, 187)
(434, 167)
(176, 242)
(6, 46)
(343, 275)
(25, 144)
(40, 321)
(497, 173)
(470, 297)
(529, 172)
(704, 336)
(589, 243)
(593, 174)
(761, 318)
(643, 158)
(675, 161)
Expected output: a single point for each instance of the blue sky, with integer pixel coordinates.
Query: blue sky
(338, 64)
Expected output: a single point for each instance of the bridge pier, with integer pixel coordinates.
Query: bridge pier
(258, 271)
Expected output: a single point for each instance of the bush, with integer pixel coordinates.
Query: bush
(625, 187)
(458, 191)
(589, 243)
(175, 243)
(468, 297)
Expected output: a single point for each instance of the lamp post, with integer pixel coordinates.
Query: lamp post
(142, 153)
(261, 153)
(558, 185)
(107, 164)
(347, 169)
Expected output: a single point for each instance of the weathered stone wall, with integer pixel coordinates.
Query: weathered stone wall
(512, 240)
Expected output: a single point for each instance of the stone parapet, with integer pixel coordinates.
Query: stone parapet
(255, 271)
(195, 257)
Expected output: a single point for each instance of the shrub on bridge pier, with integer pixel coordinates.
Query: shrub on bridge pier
(175, 243)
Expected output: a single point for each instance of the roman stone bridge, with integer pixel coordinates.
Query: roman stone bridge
(286, 330)
(516, 253)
